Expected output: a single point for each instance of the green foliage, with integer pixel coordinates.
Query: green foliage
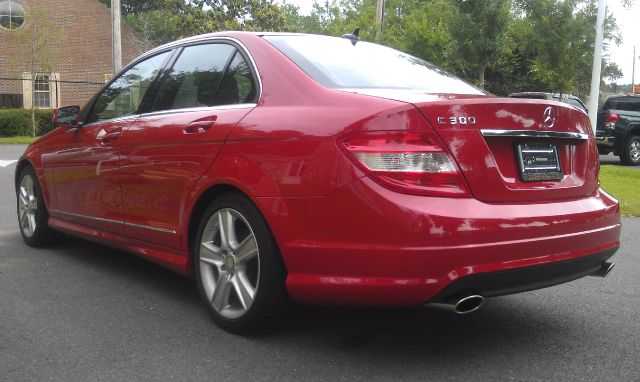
(17, 122)
(479, 35)
(420, 28)
(557, 38)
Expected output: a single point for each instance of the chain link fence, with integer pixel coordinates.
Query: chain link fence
(45, 91)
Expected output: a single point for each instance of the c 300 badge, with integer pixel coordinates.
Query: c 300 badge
(456, 120)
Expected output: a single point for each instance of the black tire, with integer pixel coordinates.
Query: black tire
(30, 203)
(270, 303)
(631, 154)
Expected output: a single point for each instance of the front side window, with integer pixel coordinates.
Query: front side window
(337, 63)
(207, 75)
(124, 95)
(11, 14)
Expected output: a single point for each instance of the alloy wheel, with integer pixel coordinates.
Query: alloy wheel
(634, 151)
(229, 263)
(27, 206)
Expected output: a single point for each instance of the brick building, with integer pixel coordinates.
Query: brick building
(73, 51)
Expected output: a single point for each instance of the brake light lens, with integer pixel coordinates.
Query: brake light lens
(407, 162)
(610, 121)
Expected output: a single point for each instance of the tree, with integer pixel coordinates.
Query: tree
(556, 37)
(479, 35)
(41, 34)
(420, 28)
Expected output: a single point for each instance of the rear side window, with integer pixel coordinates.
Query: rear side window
(206, 75)
(337, 63)
(627, 104)
(237, 85)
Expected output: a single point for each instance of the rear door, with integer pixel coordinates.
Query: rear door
(504, 146)
(207, 91)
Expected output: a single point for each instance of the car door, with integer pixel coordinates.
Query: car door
(208, 90)
(85, 160)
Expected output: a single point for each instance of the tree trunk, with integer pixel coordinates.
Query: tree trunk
(481, 71)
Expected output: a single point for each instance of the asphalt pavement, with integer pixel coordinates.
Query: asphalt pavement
(83, 312)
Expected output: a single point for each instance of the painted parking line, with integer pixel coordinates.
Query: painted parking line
(5, 163)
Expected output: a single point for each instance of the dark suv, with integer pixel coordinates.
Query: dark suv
(618, 128)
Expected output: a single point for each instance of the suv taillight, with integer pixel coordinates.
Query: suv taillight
(610, 121)
(406, 161)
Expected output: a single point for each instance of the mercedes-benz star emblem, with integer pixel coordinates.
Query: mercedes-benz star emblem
(549, 117)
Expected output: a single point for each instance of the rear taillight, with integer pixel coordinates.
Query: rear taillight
(408, 162)
(610, 121)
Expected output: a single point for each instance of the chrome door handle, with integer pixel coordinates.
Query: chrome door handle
(200, 126)
(108, 137)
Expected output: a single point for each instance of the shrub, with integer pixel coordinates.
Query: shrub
(17, 122)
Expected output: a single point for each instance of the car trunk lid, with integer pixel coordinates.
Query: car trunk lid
(493, 139)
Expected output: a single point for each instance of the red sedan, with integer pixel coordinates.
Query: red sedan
(276, 167)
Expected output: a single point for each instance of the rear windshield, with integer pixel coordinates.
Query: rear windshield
(337, 63)
(628, 104)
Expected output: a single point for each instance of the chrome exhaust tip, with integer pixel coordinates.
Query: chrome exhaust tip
(604, 270)
(464, 305)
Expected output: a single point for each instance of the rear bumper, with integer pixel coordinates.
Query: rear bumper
(366, 245)
(605, 141)
(525, 279)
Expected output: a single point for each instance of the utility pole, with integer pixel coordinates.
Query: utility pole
(379, 18)
(633, 72)
(34, 34)
(597, 65)
(116, 38)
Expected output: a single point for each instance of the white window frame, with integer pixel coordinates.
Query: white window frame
(53, 90)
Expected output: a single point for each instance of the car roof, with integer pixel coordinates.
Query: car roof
(213, 35)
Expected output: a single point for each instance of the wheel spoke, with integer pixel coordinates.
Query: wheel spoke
(32, 222)
(211, 254)
(243, 289)
(24, 220)
(220, 298)
(23, 200)
(227, 229)
(247, 250)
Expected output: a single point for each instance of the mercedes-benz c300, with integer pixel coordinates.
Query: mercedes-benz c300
(323, 170)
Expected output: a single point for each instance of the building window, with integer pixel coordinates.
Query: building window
(42, 92)
(11, 14)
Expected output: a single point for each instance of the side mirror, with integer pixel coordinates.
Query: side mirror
(68, 116)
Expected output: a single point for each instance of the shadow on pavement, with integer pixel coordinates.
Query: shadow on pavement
(372, 332)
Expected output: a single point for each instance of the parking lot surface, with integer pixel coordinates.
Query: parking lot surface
(82, 312)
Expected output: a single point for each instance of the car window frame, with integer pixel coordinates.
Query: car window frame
(239, 49)
(88, 109)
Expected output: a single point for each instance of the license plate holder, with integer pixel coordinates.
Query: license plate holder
(538, 162)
